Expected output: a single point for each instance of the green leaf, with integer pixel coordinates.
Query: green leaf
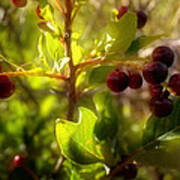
(141, 42)
(123, 32)
(44, 26)
(98, 75)
(107, 125)
(156, 128)
(77, 52)
(47, 13)
(54, 47)
(80, 2)
(51, 51)
(76, 140)
(161, 143)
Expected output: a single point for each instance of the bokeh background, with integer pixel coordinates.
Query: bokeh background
(27, 118)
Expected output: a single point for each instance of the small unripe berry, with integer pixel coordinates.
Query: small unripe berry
(117, 81)
(142, 19)
(19, 160)
(161, 106)
(155, 90)
(129, 171)
(164, 55)
(38, 12)
(7, 87)
(135, 80)
(19, 3)
(155, 72)
(121, 11)
(174, 83)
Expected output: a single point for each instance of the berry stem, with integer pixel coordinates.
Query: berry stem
(53, 75)
(89, 64)
(165, 84)
(30, 172)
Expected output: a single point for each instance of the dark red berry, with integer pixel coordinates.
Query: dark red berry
(38, 12)
(7, 87)
(155, 72)
(117, 81)
(142, 19)
(161, 106)
(163, 54)
(121, 11)
(19, 160)
(155, 90)
(135, 80)
(129, 171)
(174, 83)
(19, 3)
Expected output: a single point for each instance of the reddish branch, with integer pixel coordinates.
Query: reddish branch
(53, 75)
(68, 51)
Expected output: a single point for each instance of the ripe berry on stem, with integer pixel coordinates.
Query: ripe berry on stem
(19, 3)
(38, 12)
(19, 160)
(174, 83)
(121, 11)
(135, 80)
(155, 90)
(117, 81)
(155, 72)
(7, 87)
(164, 55)
(161, 106)
(142, 19)
(129, 171)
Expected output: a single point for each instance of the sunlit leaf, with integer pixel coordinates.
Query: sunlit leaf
(123, 32)
(76, 140)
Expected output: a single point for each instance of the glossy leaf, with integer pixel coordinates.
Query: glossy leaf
(76, 140)
(141, 42)
(123, 32)
(98, 75)
(107, 125)
(156, 128)
(54, 47)
(161, 140)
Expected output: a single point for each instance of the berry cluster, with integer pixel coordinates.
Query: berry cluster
(141, 16)
(155, 72)
(118, 80)
(7, 86)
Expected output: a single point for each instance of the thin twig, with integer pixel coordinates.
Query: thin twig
(40, 74)
(30, 172)
(60, 7)
(76, 11)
